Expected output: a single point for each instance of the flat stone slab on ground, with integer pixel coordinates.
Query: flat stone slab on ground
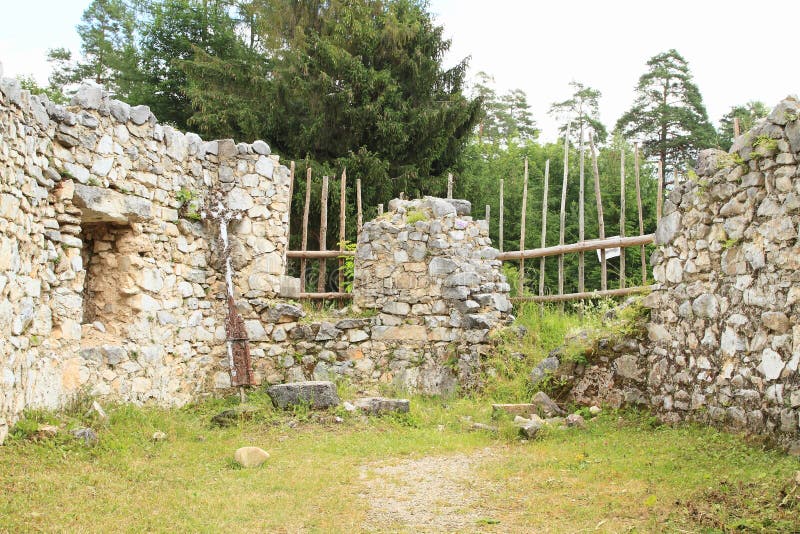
(319, 394)
(381, 405)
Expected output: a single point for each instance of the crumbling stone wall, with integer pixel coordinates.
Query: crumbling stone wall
(726, 320)
(107, 275)
(723, 341)
(430, 272)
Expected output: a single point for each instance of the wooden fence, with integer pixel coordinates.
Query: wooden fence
(601, 243)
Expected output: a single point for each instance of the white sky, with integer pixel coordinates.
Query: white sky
(737, 51)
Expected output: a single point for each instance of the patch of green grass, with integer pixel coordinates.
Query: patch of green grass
(414, 216)
(547, 328)
(619, 474)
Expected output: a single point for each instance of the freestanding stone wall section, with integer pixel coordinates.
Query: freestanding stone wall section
(431, 273)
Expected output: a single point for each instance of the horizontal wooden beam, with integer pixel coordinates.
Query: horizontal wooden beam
(585, 296)
(583, 246)
(325, 296)
(319, 254)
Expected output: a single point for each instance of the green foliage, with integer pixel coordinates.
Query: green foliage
(482, 166)
(348, 264)
(415, 216)
(505, 119)
(747, 114)
(668, 115)
(580, 113)
(54, 94)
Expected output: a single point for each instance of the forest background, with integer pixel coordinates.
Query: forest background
(361, 85)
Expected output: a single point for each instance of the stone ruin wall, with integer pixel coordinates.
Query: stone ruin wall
(111, 284)
(430, 272)
(106, 283)
(723, 341)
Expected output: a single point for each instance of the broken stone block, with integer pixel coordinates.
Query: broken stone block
(575, 420)
(382, 405)
(545, 405)
(528, 428)
(543, 369)
(317, 394)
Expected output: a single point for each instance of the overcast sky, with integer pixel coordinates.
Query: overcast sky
(738, 51)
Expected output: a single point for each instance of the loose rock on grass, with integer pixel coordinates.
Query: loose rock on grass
(250, 456)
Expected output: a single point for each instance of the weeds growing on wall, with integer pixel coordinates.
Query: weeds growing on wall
(539, 330)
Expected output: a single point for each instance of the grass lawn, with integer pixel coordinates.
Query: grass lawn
(621, 473)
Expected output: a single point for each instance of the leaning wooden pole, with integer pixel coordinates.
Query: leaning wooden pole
(601, 224)
(304, 239)
(581, 213)
(500, 223)
(521, 281)
(563, 215)
(359, 213)
(342, 222)
(323, 234)
(544, 225)
(639, 209)
(622, 216)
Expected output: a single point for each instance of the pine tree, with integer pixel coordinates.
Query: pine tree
(747, 114)
(107, 47)
(668, 115)
(581, 112)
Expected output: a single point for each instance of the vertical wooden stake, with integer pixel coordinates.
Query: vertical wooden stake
(622, 216)
(359, 214)
(304, 242)
(581, 217)
(323, 234)
(288, 224)
(639, 209)
(601, 224)
(736, 127)
(500, 229)
(563, 214)
(660, 199)
(488, 213)
(380, 210)
(521, 280)
(544, 228)
(342, 217)
(449, 185)
(675, 178)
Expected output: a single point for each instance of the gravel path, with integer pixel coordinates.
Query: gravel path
(430, 494)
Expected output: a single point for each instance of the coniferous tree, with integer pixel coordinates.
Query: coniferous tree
(668, 115)
(747, 114)
(580, 111)
(107, 47)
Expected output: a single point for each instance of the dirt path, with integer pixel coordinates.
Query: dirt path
(430, 494)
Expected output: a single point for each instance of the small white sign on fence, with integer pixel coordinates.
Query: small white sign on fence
(610, 252)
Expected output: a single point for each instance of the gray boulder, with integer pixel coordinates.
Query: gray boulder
(317, 394)
(545, 405)
(543, 369)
